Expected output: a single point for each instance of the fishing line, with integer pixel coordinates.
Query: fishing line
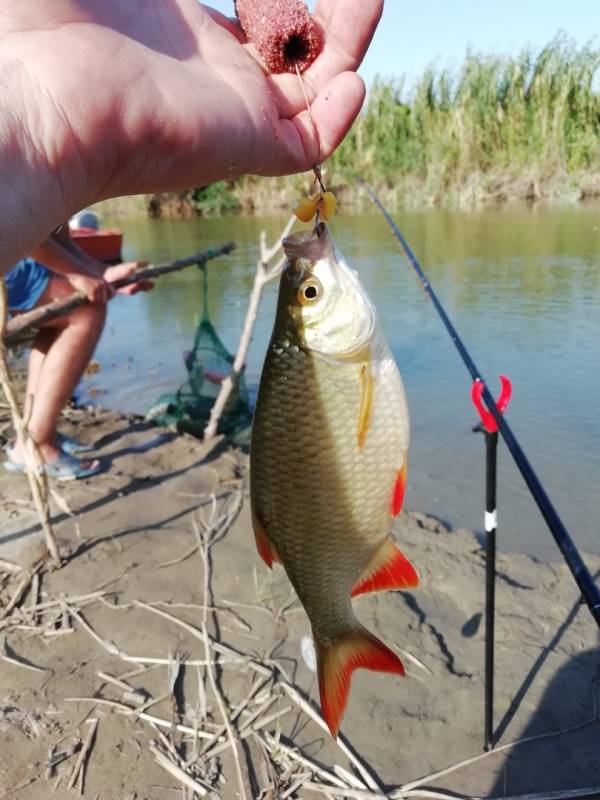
(588, 587)
(316, 167)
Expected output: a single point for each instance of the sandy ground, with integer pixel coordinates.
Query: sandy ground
(131, 540)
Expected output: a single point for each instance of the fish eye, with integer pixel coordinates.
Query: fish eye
(309, 291)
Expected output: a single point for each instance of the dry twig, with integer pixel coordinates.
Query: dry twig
(8, 566)
(80, 764)
(132, 711)
(19, 592)
(264, 273)
(38, 483)
(204, 546)
(176, 771)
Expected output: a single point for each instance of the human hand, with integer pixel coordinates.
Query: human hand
(184, 103)
(95, 288)
(125, 270)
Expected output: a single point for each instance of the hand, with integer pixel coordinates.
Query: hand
(124, 270)
(95, 288)
(184, 103)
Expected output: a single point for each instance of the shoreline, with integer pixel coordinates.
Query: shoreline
(252, 195)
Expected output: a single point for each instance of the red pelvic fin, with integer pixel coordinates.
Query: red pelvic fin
(336, 663)
(387, 569)
(265, 547)
(399, 488)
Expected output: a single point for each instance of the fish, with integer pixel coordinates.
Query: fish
(328, 459)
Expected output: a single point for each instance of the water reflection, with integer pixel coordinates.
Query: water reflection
(521, 286)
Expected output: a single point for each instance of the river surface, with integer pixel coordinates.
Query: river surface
(523, 289)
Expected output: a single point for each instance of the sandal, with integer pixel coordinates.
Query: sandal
(71, 446)
(63, 468)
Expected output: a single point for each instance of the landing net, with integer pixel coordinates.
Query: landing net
(208, 364)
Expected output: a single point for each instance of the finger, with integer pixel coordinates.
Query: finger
(347, 31)
(134, 267)
(350, 25)
(334, 110)
(123, 270)
(132, 288)
(231, 24)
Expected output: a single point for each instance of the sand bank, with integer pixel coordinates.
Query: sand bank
(131, 539)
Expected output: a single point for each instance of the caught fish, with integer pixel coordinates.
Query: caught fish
(328, 459)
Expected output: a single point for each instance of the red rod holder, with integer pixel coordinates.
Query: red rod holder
(501, 403)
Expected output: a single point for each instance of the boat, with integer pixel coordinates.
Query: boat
(104, 244)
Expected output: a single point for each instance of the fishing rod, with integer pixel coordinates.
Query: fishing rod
(33, 319)
(578, 568)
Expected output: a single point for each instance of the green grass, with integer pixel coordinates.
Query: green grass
(499, 121)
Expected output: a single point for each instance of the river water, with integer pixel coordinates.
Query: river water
(522, 287)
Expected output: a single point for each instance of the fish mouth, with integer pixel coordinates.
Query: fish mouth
(312, 245)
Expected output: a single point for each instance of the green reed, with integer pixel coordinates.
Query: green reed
(499, 119)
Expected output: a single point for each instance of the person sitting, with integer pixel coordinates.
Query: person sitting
(63, 346)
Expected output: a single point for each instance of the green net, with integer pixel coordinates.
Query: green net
(208, 364)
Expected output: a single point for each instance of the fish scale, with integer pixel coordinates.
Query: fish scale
(329, 439)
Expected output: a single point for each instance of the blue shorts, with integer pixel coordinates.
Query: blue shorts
(25, 284)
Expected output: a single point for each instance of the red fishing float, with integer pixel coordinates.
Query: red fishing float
(283, 31)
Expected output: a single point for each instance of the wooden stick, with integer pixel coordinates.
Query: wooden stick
(111, 648)
(274, 745)
(70, 600)
(262, 277)
(238, 710)
(258, 726)
(20, 590)
(231, 735)
(8, 566)
(87, 746)
(38, 482)
(57, 308)
(343, 744)
(176, 771)
(134, 712)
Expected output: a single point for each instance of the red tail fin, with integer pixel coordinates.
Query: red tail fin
(336, 663)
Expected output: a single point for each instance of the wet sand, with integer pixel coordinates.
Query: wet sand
(131, 537)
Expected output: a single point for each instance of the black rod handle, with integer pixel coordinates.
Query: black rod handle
(491, 461)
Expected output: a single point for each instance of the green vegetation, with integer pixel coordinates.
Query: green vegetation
(215, 199)
(503, 127)
(501, 120)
